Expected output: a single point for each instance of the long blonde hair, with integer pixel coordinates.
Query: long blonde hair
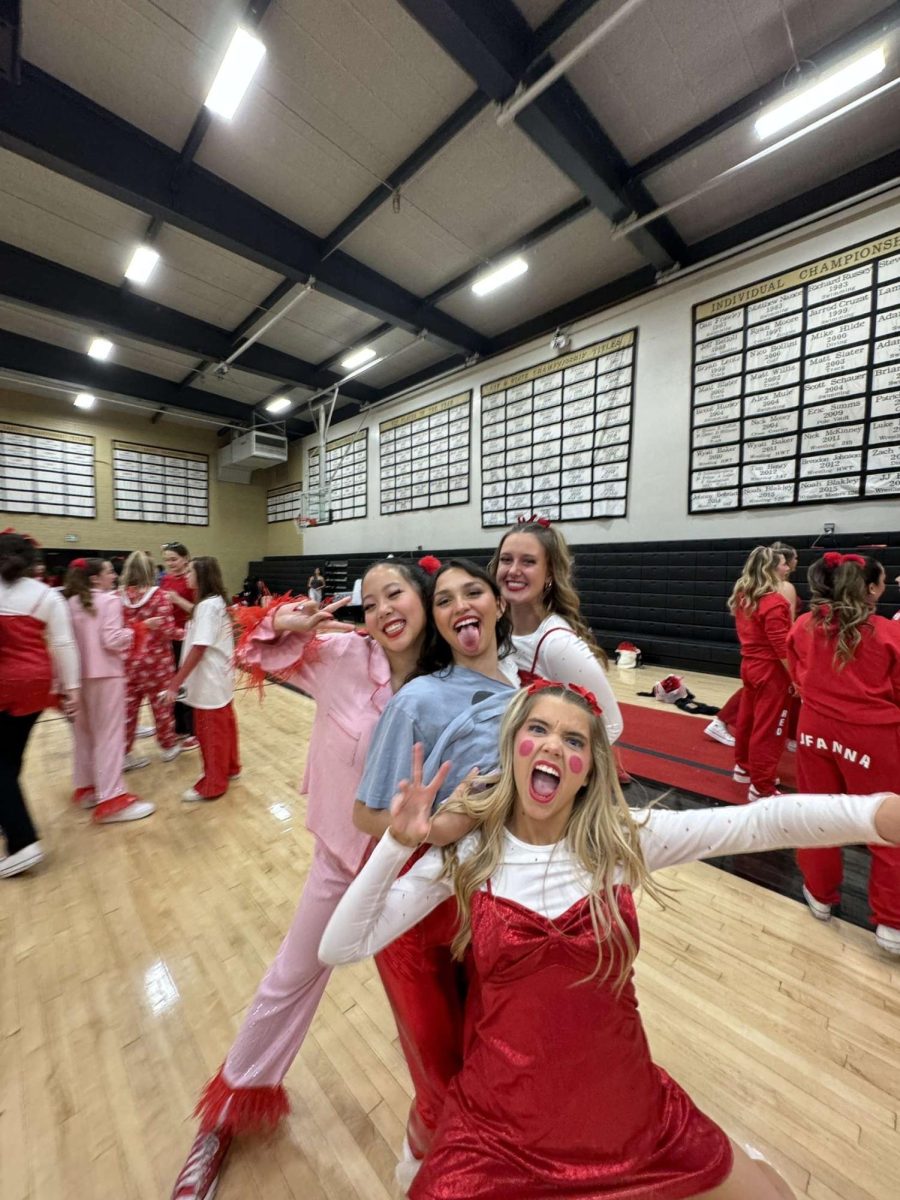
(601, 834)
(840, 599)
(561, 597)
(758, 578)
(139, 571)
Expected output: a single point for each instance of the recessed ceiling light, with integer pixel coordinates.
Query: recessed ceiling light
(100, 348)
(85, 400)
(238, 67)
(142, 265)
(279, 404)
(511, 269)
(357, 358)
(817, 95)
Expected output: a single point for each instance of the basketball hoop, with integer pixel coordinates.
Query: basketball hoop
(303, 522)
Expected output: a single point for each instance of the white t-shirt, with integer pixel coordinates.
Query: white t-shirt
(211, 683)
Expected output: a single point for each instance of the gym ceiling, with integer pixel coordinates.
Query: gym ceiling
(371, 159)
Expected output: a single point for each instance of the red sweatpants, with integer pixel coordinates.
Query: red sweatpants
(834, 757)
(216, 730)
(426, 988)
(759, 736)
(730, 711)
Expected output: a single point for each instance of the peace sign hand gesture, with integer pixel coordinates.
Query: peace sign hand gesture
(307, 617)
(413, 801)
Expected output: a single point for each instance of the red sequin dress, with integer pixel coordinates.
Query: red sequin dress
(583, 1112)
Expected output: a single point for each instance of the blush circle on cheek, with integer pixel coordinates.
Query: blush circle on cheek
(576, 764)
(526, 746)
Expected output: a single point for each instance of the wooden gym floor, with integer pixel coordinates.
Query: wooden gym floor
(131, 955)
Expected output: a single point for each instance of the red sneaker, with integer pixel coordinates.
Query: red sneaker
(84, 797)
(124, 807)
(199, 1176)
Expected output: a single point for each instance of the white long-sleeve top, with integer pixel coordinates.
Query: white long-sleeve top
(378, 907)
(555, 651)
(27, 597)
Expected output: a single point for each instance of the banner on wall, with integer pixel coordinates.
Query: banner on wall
(796, 385)
(424, 456)
(556, 438)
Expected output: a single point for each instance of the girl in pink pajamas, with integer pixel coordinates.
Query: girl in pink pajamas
(351, 677)
(99, 725)
(149, 670)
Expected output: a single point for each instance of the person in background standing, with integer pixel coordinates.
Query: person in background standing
(207, 673)
(177, 561)
(99, 726)
(315, 586)
(148, 609)
(36, 647)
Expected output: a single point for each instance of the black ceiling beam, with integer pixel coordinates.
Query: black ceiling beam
(78, 372)
(10, 39)
(559, 22)
(492, 43)
(882, 24)
(52, 124)
(29, 279)
(807, 206)
(423, 154)
(372, 336)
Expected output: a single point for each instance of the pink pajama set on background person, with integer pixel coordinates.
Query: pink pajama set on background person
(348, 676)
(99, 726)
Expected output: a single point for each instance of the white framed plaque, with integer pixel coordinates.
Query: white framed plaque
(556, 438)
(806, 407)
(424, 455)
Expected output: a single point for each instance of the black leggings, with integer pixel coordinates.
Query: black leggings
(14, 819)
(184, 714)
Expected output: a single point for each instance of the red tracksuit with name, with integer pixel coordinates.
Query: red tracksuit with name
(848, 740)
(759, 737)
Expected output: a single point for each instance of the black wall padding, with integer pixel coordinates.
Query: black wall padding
(667, 597)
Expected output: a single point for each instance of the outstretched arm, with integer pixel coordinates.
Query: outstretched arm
(670, 838)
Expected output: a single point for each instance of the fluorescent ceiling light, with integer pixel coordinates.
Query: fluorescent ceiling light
(818, 95)
(279, 404)
(85, 400)
(357, 358)
(100, 348)
(238, 67)
(142, 265)
(511, 269)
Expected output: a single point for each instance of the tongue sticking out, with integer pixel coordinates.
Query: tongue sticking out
(543, 783)
(468, 637)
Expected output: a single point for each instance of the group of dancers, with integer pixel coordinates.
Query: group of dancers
(97, 648)
(472, 834)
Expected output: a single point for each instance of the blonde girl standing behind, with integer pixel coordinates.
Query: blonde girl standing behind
(149, 670)
(207, 674)
(99, 724)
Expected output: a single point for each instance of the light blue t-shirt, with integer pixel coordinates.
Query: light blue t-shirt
(454, 709)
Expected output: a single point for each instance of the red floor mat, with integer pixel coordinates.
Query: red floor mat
(670, 748)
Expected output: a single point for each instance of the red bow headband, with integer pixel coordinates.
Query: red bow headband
(534, 519)
(429, 564)
(834, 559)
(534, 684)
(78, 564)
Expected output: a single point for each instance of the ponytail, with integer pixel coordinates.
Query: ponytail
(78, 580)
(840, 599)
(758, 578)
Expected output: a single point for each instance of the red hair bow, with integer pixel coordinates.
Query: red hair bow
(78, 564)
(833, 559)
(25, 536)
(430, 565)
(534, 519)
(534, 684)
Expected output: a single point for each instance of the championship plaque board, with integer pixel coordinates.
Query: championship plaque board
(424, 456)
(556, 438)
(346, 470)
(796, 385)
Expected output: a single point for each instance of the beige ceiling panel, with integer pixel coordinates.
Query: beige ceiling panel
(238, 385)
(318, 327)
(651, 78)
(205, 281)
(863, 135)
(52, 216)
(416, 357)
(149, 61)
(562, 267)
(346, 92)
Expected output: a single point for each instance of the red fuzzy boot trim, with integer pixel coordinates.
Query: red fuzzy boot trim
(113, 805)
(241, 1110)
(81, 794)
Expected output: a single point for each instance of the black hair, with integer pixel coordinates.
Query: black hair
(436, 653)
(17, 556)
(414, 575)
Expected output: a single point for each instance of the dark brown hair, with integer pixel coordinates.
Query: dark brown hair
(436, 653)
(78, 581)
(17, 556)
